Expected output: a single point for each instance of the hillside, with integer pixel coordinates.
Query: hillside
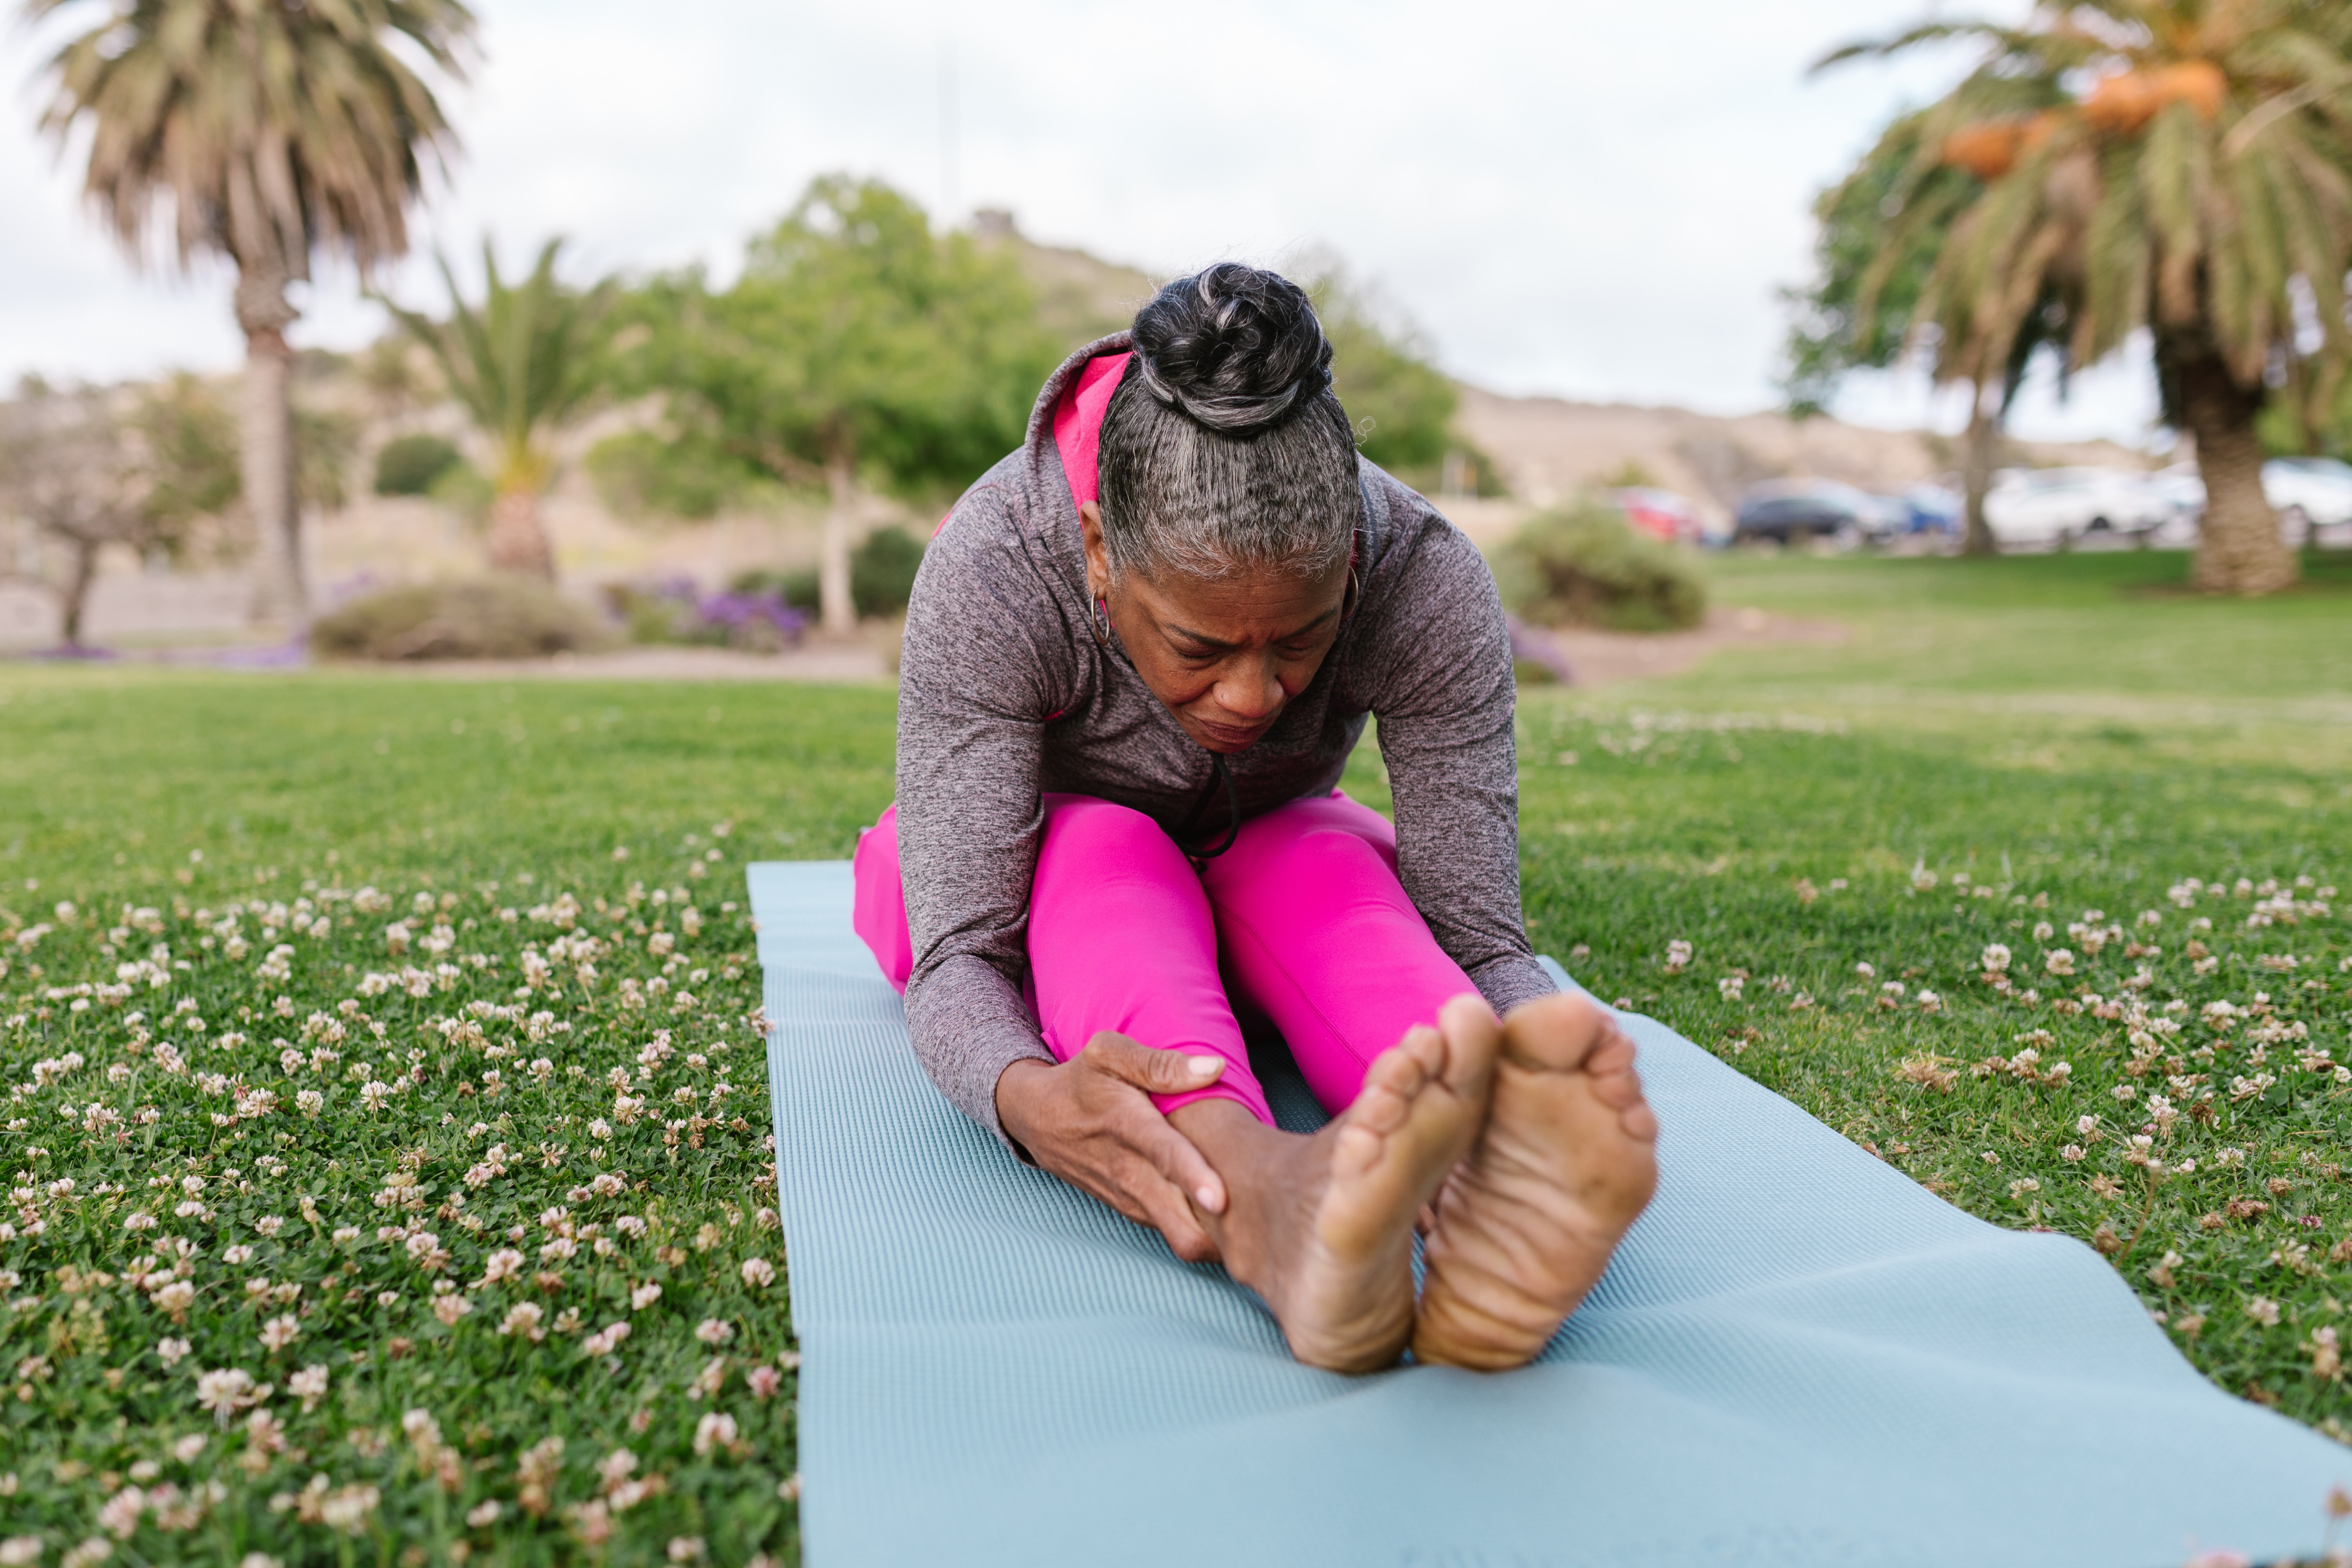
(1546, 448)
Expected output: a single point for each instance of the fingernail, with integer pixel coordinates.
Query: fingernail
(1208, 1198)
(1206, 1065)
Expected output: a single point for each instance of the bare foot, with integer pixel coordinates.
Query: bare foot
(1524, 1228)
(1322, 1227)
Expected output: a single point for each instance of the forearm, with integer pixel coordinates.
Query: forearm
(968, 1026)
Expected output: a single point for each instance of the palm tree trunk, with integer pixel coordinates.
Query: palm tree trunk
(2240, 550)
(1978, 462)
(266, 431)
(518, 541)
(832, 566)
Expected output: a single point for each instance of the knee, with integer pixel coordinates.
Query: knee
(1102, 832)
(1326, 856)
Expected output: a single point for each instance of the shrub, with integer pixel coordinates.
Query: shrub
(482, 618)
(639, 475)
(882, 571)
(881, 577)
(466, 490)
(753, 619)
(1584, 564)
(408, 465)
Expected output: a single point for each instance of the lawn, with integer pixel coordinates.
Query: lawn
(361, 1106)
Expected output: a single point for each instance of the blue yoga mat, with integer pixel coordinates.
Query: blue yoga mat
(1799, 1357)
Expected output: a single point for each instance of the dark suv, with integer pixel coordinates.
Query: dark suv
(1791, 510)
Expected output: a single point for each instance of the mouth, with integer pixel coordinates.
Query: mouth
(1230, 737)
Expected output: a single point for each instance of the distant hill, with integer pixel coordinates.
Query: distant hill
(1548, 448)
(1080, 296)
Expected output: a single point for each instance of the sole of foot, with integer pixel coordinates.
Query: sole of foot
(1345, 1297)
(1524, 1228)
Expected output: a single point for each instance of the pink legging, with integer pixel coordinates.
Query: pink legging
(1304, 911)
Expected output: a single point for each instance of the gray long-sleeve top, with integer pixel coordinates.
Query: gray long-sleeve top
(1003, 694)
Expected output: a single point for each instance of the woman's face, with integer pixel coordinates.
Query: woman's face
(1226, 657)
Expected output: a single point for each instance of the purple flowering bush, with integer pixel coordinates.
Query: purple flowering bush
(674, 610)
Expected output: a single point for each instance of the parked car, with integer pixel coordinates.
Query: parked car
(1932, 509)
(1664, 513)
(1791, 510)
(2057, 506)
(2308, 493)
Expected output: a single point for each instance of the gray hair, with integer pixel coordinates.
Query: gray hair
(1225, 451)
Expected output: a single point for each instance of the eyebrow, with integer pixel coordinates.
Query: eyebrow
(1207, 641)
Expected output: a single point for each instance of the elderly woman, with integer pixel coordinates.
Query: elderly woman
(1138, 655)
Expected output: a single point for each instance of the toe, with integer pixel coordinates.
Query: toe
(1554, 1033)
(1406, 1067)
(1473, 1038)
(1355, 1150)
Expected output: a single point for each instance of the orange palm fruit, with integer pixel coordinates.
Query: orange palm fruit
(1987, 149)
(2122, 104)
(2197, 83)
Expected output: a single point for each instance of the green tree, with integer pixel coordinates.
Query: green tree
(192, 457)
(857, 347)
(521, 366)
(1384, 374)
(265, 132)
(2199, 186)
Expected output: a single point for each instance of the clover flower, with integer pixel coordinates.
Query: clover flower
(715, 1430)
(227, 1390)
(310, 1384)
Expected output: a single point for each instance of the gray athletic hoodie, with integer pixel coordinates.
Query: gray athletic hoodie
(1003, 694)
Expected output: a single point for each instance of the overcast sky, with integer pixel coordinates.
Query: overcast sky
(1595, 201)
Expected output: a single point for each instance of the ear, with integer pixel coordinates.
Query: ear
(1097, 555)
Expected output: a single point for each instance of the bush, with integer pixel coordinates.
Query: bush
(882, 571)
(485, 617)
(1585, 565)
(408, 465)
(639, 475)
(752, 620)
(881, 577)
(466, 490)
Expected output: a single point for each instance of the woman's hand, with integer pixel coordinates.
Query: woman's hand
(1090, 1120)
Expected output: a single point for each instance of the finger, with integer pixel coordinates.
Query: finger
(1179, 1163)
(1153, 1071)
(1169, 1213)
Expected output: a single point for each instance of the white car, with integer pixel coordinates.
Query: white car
(2307, 493)
(2058, 506)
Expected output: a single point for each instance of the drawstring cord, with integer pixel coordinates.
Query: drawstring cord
(1224, 775)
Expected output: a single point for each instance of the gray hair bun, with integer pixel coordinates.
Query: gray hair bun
(1235, 348)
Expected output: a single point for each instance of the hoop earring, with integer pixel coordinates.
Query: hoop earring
(1100, 623)
(1355, 593)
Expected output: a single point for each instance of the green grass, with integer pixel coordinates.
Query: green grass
(2065, 732)
(189, 822)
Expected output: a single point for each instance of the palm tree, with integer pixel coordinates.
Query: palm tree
(1861, 309)
(524, 364)
(266, 131)
(2182, 166)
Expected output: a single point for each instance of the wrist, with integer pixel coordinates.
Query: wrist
(1016, 1089)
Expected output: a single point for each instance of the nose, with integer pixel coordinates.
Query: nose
(1251, 691)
